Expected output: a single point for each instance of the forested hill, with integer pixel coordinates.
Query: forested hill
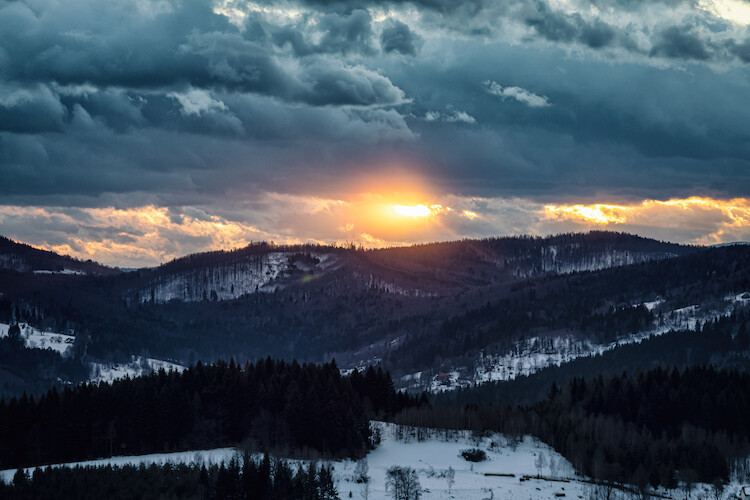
(269, 405)
(25, 258)
(426, 309)
(429, 269)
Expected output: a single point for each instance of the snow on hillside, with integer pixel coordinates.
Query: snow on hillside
(535, 353)
(220, 283)
(64, 271)
(259, 273)
(565, 261)
(37, 339)
(100, 372)
(138, 366)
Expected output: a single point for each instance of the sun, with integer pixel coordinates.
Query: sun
(412, 211)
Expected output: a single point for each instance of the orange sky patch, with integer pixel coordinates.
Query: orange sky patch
(724, 218)
(149, 235)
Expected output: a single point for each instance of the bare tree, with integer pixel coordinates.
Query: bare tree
(718, 489)
(553, 466)
(450, 476)
(540, 462)
(403, 483)
(362, 477)
(688, 477)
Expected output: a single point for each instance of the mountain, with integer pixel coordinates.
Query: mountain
(430, 269)
(594, 343)
(439, 315)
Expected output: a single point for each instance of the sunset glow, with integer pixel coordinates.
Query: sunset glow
(598, 214)
(412, 211)
(716, 220)
(148, 235)
(736, 210)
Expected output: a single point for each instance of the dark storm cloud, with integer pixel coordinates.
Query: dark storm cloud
(741, 50)
(443, 6)
(192, 45)
(352, 33)
(680, 42)
(560, 27)
(483, 19)
(343, 34)
(397, 37)
(180, 105)
(30, 110)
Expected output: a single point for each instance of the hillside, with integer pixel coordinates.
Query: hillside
(25, 258)
(441, 315)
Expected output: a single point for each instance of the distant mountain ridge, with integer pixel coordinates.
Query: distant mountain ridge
(437, 314)
(426, 269)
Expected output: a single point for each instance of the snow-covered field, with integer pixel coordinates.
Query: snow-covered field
(510, 471)
(432, 457)
(37, 339)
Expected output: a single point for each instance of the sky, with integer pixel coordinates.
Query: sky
(136, 131)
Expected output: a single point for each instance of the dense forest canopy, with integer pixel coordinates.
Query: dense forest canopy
(269, 405)
(243, 478)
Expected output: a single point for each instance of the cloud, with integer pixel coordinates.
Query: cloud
(679, 42)
(196, 102)
(451, 116)
(331, 33)
(204, 104)
(30, 109)
(703, 221)
(560, 27)
(397, 37)
(148, 235)
(742, 50)
(521, 95)
(191, 44)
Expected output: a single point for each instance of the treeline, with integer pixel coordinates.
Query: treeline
(240, 479)
(270, 405)
(652, 428)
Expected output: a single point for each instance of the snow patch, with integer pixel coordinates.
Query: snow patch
(64, 271)
(37, 339)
